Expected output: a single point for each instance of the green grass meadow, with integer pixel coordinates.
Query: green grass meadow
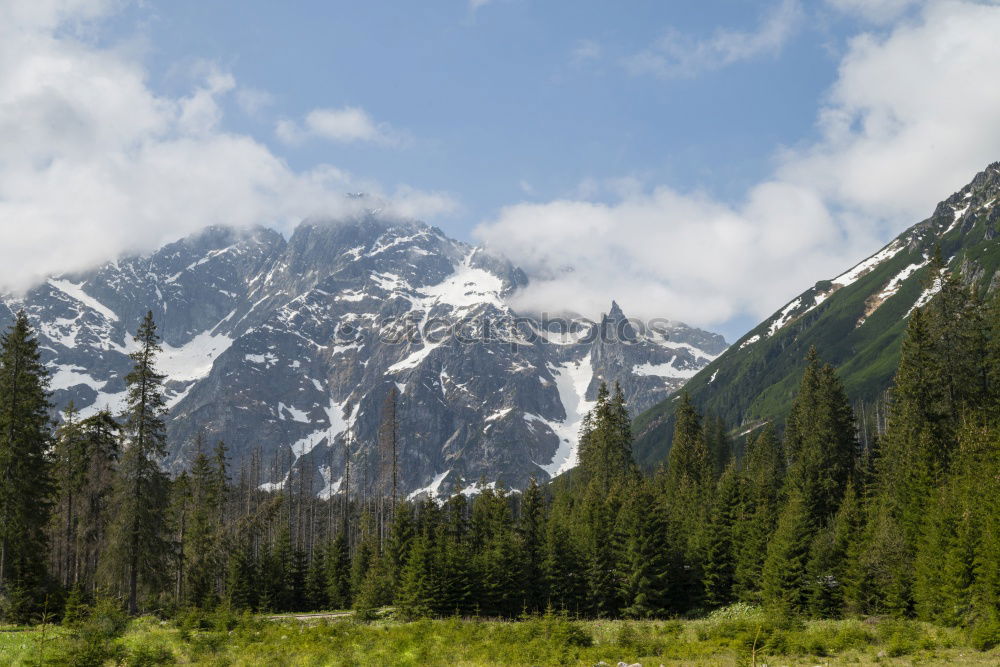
(733, 636)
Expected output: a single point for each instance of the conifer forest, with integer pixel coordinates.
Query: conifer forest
(809, 520)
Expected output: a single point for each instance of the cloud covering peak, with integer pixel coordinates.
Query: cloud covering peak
(95, 162)
(910, 118)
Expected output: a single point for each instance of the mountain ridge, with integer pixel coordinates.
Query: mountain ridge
(856, 320)
(287, 348)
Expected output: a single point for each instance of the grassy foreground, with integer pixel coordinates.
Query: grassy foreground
(734, 636)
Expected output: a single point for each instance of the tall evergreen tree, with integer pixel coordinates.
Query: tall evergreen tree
(606, 440)
(141, 488)
(829, 564)
(784, 579)
(764, 472)
(646, 560)
(909, 467)
(26, 484)
(820, 441)
(531, 528)
(70, 475)
(564, 562)
(686, 488)
(102, 448)
(721, 550)
(204, 534)
(338, 573)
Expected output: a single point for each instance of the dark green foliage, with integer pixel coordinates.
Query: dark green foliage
(26, 484)
(241, 580)
(532, 537)
(338, 573)
(606, 440)
(719, 571)
(686, 487)
(820, 442)
(139, 546)
(807, 523)
(316, 589)
(563, 564)
(646, 560)
(203, 539)
(828, 567)
(85, 454)
(764, 475)
(753, 381)
(784, 576)
(604, 584)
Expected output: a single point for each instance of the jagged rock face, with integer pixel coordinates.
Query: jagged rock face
(287, 351)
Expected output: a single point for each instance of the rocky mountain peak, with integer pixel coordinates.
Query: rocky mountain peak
(287, 350)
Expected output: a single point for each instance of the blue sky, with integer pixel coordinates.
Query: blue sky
(513, 100)
(705, 162)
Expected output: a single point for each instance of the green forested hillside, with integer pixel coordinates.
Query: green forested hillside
(855, 321)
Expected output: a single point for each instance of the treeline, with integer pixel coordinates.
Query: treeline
(808, 520)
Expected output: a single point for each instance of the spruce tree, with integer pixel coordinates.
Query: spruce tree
(646, 560)
(686, 487)
(26, 484)
(338, 573)
(70, 475)
(821, 445)
(719, 571)
(563, 563)
(417, 597)
(531, 529)
(784, 575)
(498, 558)
(606, 440)
(204, 534)
(454, 576)
(241, 570)
(764, 473)
(102, 449)
(141, 489)
(908, 469)
(397, 546)
(820, 441)
(829, 563)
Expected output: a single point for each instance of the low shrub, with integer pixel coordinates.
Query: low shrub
(985, 634)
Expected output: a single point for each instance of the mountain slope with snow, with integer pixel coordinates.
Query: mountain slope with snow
(287, 349)
(856, 320)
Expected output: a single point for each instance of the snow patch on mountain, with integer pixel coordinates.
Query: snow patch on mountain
(886, 253)
(784, 317)
(925, 296)
(572, 381)
(665, 370)
(193, 360)
(75, 291)
(66, 376)
(432, 490)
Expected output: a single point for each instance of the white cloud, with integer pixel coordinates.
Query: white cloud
(676, 55)
(253, 101)
(662, 252)
(586, 50)
(875, 11)
(347, 125)
(476, 4)
(910, 119)
(94, 163)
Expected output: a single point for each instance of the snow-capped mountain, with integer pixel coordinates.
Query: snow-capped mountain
(856, 320)
(287, 350)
